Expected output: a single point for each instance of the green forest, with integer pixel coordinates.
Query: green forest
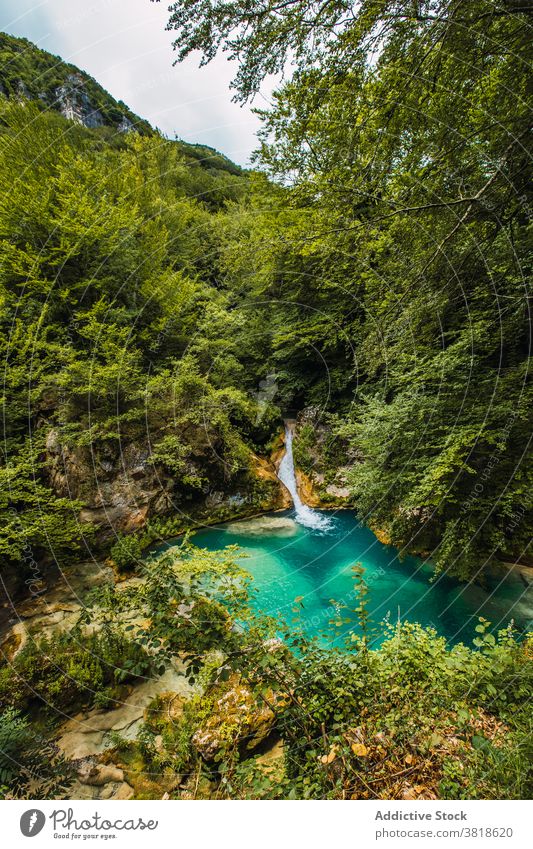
(373, 268)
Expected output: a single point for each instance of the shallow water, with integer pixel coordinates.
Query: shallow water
(287, 559)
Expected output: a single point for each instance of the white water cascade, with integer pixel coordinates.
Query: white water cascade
(304, 514)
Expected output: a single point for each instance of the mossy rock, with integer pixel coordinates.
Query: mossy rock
(236, 720)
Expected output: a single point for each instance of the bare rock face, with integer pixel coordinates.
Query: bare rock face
(119, 491)
(89, 733)
(125, 125)
(74, 103)
(326, 482)
(121, 488)
(42, 614)
(237, 717)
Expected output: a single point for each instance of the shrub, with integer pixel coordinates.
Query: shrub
(30, 765)
(126, 553)
(71, 669)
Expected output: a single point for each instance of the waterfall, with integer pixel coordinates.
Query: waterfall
(304, 514)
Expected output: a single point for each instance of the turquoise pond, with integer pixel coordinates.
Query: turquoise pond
(287, 559)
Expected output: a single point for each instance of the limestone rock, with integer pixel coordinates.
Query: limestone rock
(272, 762)
(75, 104)
(123, 791)
(88, 733)
(112, 790)
(99, 774)
(237, 717)
(58, 609)
(119, 490)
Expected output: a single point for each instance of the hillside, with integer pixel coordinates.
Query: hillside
(410, 436)
(163, 312)
(27, 72)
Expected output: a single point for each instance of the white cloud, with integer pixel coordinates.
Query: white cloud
(124, 46)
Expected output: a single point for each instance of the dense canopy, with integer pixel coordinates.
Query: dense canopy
(162, 311)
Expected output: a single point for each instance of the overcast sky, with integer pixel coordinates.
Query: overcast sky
(124, 46)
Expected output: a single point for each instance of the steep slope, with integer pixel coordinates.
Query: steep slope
(29, 73)
(111, 245)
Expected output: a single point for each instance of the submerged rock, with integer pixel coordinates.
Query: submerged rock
(279, 525)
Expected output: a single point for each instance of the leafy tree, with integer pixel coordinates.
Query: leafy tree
(398, 246)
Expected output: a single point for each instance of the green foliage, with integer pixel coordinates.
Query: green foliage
(126, 553)
(397, 247)
(120, 238)
(358, 718)
(138, 279)
(190, 600)
(71, 669)
(148, 289)
(30, 72)
(303, 445)
(30, 766)
(14, 735)
(352, 722)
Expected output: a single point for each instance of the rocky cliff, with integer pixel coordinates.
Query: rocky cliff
(26, 72)
(124, 491)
